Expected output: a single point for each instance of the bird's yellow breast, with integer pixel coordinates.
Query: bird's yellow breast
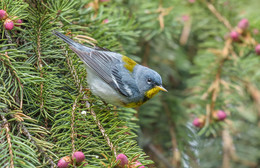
(134, 104)
(148, 95)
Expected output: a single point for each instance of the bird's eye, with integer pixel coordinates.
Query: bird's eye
(149, 80)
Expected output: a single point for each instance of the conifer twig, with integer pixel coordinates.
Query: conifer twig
(215, 85)
(9, 38)
(185, 32)
(160, 156)
(103, 131)
(219, 16)
(229, 152)
(73, 71)
(163, 12)
(40, 64)
(72, 127)
(101, 128)
(176, 153)
(30, 137)
(13, 71)
(226, 139)
(8, 140)
(78, 83)
(146, 53)
(255, 94)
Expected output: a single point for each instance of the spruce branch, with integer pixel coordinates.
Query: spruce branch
(163, 12)
(40, 65)
(194, 161)
(72, 126)
(87, 39)
(230, 153)
(8, 38)
(215, 85)
(185, 32)
(6, 126)
(30, 137)
(218, 15)
(160, 156)
(255, 94)
(176, 161)
(95, 6)
(73, 71)
(14, 73)
(227, 142)
(102, 130)
(146, 53)
(87, 104)
(213, 90)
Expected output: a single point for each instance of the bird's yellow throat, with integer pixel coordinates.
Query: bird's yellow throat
(152, 92)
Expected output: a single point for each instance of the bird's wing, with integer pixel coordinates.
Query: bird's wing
(104, 65)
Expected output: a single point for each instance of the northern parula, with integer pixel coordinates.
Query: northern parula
(115, 78)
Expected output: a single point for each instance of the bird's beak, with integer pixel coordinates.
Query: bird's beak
(161, 88)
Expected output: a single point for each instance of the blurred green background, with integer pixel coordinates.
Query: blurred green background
(188, 43)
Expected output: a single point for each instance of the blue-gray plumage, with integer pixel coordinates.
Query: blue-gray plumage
(115, 78)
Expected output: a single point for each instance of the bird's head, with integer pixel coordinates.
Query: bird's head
(150, 82)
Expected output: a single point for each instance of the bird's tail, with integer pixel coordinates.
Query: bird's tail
(65, 38)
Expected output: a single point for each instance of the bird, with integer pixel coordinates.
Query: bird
(116, 78)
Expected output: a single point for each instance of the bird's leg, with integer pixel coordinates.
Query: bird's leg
(106, 104)
(86, 89)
